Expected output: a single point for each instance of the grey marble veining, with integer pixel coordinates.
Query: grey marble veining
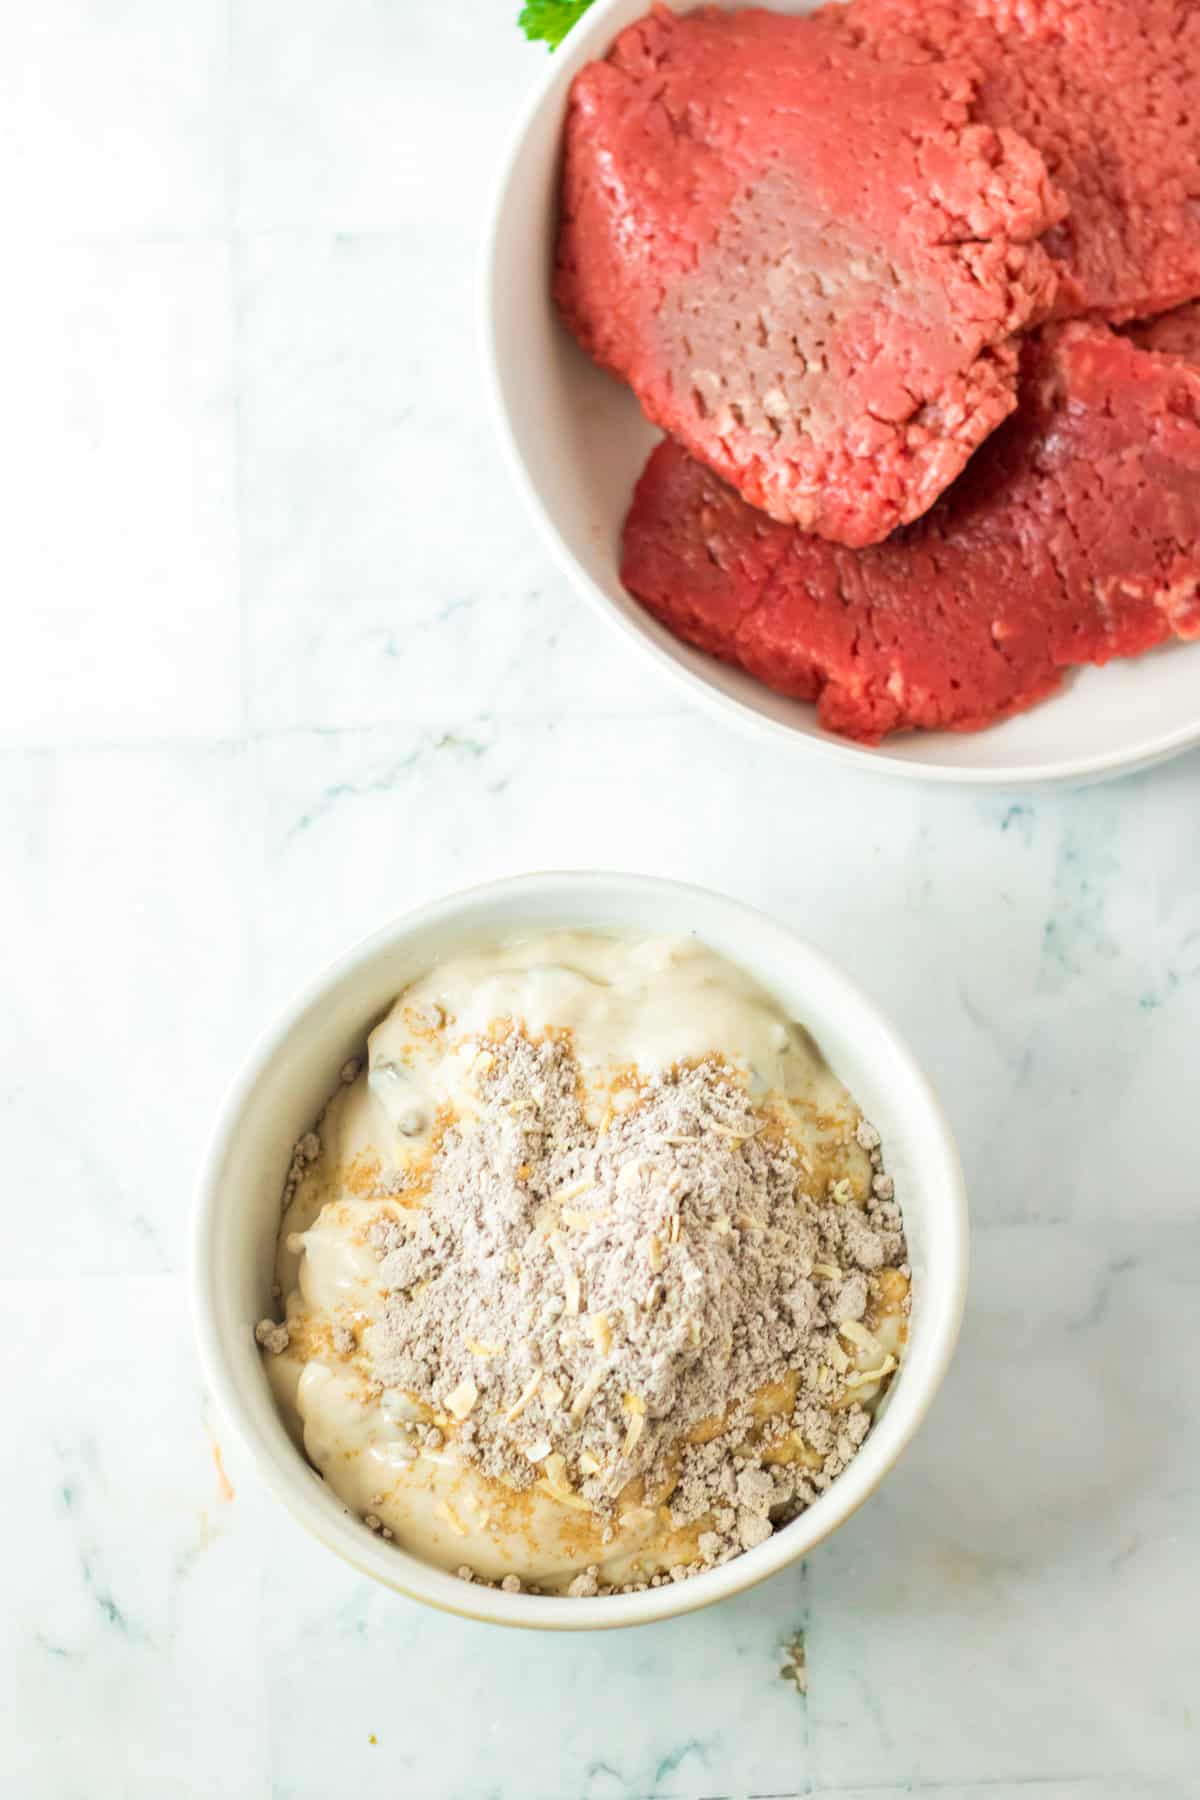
(284, 658)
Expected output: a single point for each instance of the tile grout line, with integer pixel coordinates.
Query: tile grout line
(250, 736)
(235, 265)
(251, 838)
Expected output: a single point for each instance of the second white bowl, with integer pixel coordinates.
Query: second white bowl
(294, 1068)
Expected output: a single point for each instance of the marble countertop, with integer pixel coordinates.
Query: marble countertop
(282, 657)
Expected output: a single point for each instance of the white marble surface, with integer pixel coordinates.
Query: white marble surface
(281, 658)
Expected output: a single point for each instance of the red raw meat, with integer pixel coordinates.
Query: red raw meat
(1172, 334)
(1073, 537)
(807, 260)
(1109, 92)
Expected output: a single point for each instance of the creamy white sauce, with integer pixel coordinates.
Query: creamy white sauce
(628, 1002)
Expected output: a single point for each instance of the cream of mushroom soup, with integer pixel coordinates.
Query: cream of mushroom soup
(592, 1274)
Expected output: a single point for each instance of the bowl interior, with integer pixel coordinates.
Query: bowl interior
(294, 1069)
(578, 441)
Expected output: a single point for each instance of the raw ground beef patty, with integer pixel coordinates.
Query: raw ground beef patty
(1071, 538)
(1109, 92)
(807, 261)
(1172, 334)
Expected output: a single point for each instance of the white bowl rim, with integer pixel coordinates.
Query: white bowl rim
(592, 34)
(289, 1478)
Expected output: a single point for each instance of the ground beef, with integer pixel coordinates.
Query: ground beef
(1172, 334)
(1109, 91)
(1071, 538)
(808, 261)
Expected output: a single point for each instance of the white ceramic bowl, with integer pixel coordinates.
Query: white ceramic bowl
(577, 442)
(294, 1068)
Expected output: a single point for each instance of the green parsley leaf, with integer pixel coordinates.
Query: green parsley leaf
(550, 20)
